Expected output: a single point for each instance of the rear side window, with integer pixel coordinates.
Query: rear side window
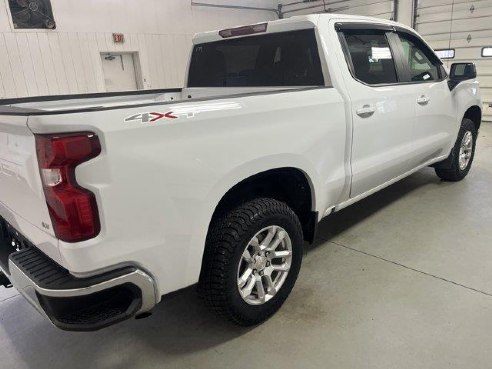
(277, 59)
(423, 64)
(371, 57)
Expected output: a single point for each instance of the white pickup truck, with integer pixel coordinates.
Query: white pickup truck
(110, 201)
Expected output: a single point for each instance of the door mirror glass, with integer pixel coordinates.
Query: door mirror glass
(461, 72)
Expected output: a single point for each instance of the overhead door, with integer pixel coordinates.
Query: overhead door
(462, 28)
(372, 8)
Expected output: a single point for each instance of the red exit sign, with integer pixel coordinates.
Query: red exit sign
(118, 38)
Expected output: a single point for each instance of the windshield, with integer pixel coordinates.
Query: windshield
(277, 59)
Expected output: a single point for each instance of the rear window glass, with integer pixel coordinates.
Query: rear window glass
(278, 59)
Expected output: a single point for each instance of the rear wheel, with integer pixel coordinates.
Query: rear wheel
(253, 256)
(459, 162)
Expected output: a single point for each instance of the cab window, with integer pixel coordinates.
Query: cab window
(276, 59)
(371, 57)
(422, 62)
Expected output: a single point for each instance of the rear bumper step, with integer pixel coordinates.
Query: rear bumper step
(80, 304)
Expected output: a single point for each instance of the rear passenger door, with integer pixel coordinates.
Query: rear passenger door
(383, 107)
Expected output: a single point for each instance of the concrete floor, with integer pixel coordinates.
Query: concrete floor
(400, 280)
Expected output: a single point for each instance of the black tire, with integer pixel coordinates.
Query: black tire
(449, 170)
(226, 241)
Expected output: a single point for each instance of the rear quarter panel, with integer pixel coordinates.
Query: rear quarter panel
(157, 184)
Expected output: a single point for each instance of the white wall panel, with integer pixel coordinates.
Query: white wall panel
(6, 74)
(37, 63)
(465, 26)
(68, 60)
(4, 17)
(373, 8)
(18, 73)
(21, 40)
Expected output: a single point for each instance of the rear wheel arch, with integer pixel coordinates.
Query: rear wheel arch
(290, 185)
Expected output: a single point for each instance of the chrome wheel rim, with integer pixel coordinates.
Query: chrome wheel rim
(466, 149)
(264, 266)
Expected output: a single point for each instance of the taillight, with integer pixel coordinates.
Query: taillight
(73, 209)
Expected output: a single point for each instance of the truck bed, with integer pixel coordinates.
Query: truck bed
(69, 103)
(66, 104)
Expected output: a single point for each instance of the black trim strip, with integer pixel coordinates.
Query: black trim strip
(401, 64)
(24, 100)
(33, 112)
(360, 26)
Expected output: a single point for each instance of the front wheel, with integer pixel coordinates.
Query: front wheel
(459, 162)
(252, 259)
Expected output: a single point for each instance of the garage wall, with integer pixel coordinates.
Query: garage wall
(373, 8)
(466, 27)
(68, 59)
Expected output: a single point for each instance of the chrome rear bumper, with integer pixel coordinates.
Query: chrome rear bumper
(80, 304)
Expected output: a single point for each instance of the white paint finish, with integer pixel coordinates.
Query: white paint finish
(204, 176)
(383, 142)
(437, 122)
(45, 241)
(22, 197)
(67, 60)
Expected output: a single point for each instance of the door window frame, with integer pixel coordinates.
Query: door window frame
(402, 68)
(431, 55)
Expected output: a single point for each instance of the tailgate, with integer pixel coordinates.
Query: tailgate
(21, 192)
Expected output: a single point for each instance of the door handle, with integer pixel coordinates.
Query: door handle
(423, 100)
(366, 111)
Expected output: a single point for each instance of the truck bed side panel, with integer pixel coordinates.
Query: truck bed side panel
(157, 183)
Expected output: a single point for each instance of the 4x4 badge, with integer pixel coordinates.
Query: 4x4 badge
(152, 117)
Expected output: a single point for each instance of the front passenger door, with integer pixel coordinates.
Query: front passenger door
(435, 124)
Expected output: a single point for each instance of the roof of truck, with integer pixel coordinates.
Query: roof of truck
(297, 22)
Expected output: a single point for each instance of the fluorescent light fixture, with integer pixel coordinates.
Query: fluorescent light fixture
(381, 53)
(487, 51)
(445, 53)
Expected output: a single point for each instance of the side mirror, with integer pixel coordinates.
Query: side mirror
(461, 72)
